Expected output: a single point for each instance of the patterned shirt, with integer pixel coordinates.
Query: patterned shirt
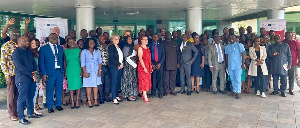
(204, 49)
(104, 53)
(7, 65)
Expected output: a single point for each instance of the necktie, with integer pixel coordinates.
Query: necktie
(56, 54)
(183, 47)
(219, 54)
(155, 53)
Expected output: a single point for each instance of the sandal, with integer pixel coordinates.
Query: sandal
(90, 102)
(96, 102)
(37, 107)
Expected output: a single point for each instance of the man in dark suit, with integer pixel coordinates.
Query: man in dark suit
(186, 60)
(157, 58)
(51, 63)
(171, 64)
(60, 40)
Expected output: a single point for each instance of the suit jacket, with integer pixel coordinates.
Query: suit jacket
(61, 40)
(113, 57)
(172, 54)
(253, 67)
(213, 56)
(47, 60)
(161, 53)
(187, 53)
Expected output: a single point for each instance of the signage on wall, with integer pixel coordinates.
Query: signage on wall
(44, 27)
(277, 25)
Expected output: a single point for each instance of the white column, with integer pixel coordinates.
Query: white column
(85, 18)
(193, 19)
(275, 14)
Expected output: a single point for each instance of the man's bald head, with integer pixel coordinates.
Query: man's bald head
(56, 30)
(23, 42)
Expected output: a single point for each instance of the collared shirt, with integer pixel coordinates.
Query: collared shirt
(295, 48)
(183, 44)
(210, 41)
(25, 65)
(218, 46)
(153, 52)
(234, 55)
(7, 65)
(52, 48)
(104, 53)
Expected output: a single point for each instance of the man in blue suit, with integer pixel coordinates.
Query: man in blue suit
(158, 58)
(51, 62)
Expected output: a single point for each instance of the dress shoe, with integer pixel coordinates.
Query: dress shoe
(173, 93)
(59, 108)
(274, 93)
(24, 121)
(222, 92)
(238, 95)
(107, 99)
(50, 110)
(13, 118)
(214, 92)
(45, 105)
(232, 94)
(165, 93)
(189, 93)
(152, 96)
(291, 92)
(34, 116)
(181, 92)
(160, 96)
(283, 94)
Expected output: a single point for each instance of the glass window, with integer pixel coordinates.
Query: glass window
(177, 25)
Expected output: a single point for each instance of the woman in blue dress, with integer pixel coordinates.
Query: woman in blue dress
(198, 65)
(91, 64)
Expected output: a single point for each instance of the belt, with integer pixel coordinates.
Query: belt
(57, 68)
(221, 62)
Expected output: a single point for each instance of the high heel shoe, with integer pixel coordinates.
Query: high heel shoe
(90, 106)
(147, 101)
(96, 102)
(72, 104)
(77, 106)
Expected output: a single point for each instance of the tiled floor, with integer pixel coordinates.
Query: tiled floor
(198, 110)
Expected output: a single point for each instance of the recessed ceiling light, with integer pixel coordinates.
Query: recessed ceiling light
(176, 2)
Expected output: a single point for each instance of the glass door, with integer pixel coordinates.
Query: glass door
(121, 28)
(110, 28)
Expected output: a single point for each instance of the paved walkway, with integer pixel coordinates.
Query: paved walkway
(198, 110)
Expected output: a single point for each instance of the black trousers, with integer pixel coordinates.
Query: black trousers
(105, 78)
(157, 81)
(259, 81)
(169, 81)
(207, 79)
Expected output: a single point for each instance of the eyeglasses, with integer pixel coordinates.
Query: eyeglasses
(15, 33)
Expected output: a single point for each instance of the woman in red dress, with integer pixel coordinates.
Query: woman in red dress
(144, 68)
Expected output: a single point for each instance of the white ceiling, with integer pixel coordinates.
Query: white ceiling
(146, 9)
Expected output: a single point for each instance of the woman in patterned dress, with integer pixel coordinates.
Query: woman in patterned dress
(129, 84)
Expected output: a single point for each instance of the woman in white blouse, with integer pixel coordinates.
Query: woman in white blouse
(115, 64)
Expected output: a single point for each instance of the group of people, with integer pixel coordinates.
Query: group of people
(96, 65)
